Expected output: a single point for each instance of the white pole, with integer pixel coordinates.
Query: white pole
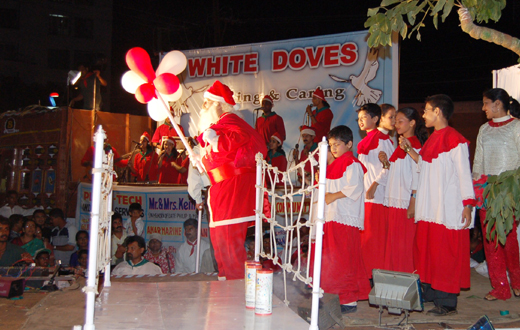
(91, 288)
(191, 154)
(258, 206)
(109, 243)
(319, 236)
(197, 263)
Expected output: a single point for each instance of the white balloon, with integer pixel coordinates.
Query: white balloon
(131, 81)
(173, 62)
(156, 110)
(173, 97)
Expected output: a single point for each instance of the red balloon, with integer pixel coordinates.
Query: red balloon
(138, 61)
(145, 93)
(166, 83)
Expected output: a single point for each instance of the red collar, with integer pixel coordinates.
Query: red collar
(499, 124)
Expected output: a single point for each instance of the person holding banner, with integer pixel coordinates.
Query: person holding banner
(270, 122)
(321, 118)
(229, 148)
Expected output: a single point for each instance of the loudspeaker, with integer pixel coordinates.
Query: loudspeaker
(11, 287)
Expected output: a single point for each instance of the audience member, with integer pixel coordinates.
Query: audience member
(28, 241)
(82, 263)
(266, 262)
(321, 118)
(9, 253)
(135, 224)
(63, 236)
(42, 257)
(11, 207)
(250, 247)
(187, 253)
(16, 221)
(135, 264)
(159, 255)
(270, 122)
(82, 240)
(40, 217)
(443, 208)
(118, 239)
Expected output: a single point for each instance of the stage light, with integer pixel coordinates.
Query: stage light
(73, 76)
(397, 291)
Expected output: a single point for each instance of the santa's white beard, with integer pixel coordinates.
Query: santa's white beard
(207, 118)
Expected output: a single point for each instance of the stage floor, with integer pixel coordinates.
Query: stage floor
(186, 305)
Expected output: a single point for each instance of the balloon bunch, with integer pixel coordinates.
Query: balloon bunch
(154, 87)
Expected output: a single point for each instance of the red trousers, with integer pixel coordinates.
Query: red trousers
(441, 256)
(373, 238)
(500, 259)
(342, 269)
(399, 242)
(230, 252)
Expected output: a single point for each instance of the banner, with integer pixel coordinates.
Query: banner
(349, 73)
(165, 208)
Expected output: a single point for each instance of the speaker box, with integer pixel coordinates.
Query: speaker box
(11, 287)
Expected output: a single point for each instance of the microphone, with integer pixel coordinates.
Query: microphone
(261, 108)
(296, 146)
(138, 143)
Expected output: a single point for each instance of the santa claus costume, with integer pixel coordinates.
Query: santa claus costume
(342, 267)
(373, 237)
(230, 146)
(276, 158)
(145, 162)
(167, 172)
(401, 229)
(497, 151)
(323, 117)
(444, 188)
(268, 124)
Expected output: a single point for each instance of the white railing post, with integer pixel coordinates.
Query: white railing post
(108, 283)
(258, 206)
(199, 229)
(91, 288)
(319, 236)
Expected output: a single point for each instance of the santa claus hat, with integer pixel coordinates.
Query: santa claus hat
(168, 138)
(146, 136)
(319, 94)
(268, 99)
(277, 137)
(221, 93)
(307, 130)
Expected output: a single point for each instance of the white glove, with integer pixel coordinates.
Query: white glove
(211, 137)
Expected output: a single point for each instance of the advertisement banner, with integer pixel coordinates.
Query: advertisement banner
(165, 208)
(342, 65)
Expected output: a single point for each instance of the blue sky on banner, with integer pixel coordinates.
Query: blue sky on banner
(289, 71)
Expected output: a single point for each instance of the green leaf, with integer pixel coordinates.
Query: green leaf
(385, 3)
(436, 21)
(447, 9)
(404, 31)
(411, 18)
(438, 6)
(418, 35)
(372, 11)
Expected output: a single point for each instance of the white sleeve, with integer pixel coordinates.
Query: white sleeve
(140, 228)
(460, 157)
(72, 235)
(195, 184)
(353, 181)
(416, 170)
(388, 148)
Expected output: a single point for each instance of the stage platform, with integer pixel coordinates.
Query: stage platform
(139, 303)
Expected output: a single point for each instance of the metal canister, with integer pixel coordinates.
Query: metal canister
(264, 292)
(251, 267)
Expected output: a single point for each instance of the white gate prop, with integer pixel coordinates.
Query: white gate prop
(100, 224)
(266, 172)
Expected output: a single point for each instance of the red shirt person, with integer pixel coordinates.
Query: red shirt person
(276, 157)
(230, 146)
(145, 162)
(269, 123)
(321, 118)
(165, 130)
(167, 164)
